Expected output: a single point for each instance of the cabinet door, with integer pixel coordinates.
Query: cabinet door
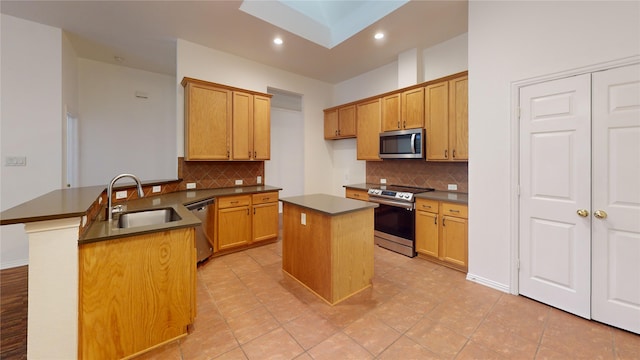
(458, 119)
(454, 241)
(331, 124)
(207, 122)
(242, 121)
(427, 233)
(261, 127)
(347, 121)
(265, 221)
(391, 112)
(437, 121)
(368, 125)
(234, 227)
(413, 109)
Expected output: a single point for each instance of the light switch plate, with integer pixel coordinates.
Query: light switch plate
(259, 179)
(383, 181)
(191, 185)
(121, 194)
(238, 182)
(156, 189)
(303, 218)
(452, 187)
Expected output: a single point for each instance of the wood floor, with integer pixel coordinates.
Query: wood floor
(13, 312)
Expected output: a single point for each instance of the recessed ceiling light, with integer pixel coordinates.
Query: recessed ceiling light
(277, 41)
(378, 36)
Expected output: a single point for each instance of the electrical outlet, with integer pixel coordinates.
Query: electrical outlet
(259, 179)
(238, 182)
(452, 187)
(156, 189)
(303, 218)
(191, 185)
(121, 194)
(383, 181)
(15, 161)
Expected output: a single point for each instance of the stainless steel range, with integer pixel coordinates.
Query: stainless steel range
(394, 221)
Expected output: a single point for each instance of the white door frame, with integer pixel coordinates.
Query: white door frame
(515, 150)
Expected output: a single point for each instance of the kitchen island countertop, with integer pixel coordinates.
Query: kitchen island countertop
(329, 204)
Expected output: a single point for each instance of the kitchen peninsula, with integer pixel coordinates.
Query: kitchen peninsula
(327, 244)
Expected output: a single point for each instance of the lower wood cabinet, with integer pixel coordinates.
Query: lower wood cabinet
(135, 293)
(356, 194)
(441, 232)
(243, 220)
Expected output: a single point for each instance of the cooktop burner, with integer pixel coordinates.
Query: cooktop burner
(398, 192)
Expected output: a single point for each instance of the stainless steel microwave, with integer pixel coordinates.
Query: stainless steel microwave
(402, 144)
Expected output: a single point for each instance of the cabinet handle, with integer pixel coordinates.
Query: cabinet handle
(227, 154)
(254, 211)
(426, 206)
(336, 132)
(265, 199)
(249, 155)
(255, 154)
(404, 124)
(435, 220)
(453, 153)
(454, 211)
(234, 202)
(248, 212)
(443, 221)
(446, 154)
(398, 124)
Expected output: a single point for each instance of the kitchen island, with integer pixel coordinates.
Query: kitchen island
(327, 244)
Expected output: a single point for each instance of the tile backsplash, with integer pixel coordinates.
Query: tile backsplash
(217, 174)
(419, 173)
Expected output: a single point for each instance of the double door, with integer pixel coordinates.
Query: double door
(579, 204)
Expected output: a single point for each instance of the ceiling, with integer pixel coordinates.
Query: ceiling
(144, 33)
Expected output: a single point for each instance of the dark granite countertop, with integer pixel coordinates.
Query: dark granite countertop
(75, 202)
(329, 204)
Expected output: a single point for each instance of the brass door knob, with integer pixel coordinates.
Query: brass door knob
(600, 214)
(583, 212)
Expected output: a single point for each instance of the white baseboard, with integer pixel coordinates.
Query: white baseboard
(486, 282)
(14, 263)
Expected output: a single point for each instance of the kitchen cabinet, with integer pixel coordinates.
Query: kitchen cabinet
(442, 232)
(251, 127)
(446, 120)
(357, 194)
(265, 216)
(225, 123)
(243, 220)
(340, 123)
(135, 293)
(234, 221)
(403, 110)
(207, 125)
(368, 125)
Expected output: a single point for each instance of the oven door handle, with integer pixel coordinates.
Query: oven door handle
(400, 204)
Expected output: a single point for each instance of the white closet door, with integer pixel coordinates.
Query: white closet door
(616, 191)
(555, 172)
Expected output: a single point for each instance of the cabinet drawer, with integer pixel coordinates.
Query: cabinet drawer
(357, 194)
(427, 205)
(457, 210)
(233, 201)
(264, 198)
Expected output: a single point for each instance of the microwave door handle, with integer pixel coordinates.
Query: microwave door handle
(413, 143)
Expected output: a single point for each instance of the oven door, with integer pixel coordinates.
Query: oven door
(394, 224)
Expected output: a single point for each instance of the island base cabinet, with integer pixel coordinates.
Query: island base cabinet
(330, 255)
(136, 293)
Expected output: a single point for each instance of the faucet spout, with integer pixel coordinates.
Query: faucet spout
(110, 191)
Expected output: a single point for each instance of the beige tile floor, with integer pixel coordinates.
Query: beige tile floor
(247, 309)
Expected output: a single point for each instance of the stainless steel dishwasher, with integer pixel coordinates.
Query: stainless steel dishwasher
(203, 243)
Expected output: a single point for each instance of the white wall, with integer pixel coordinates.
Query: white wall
(511, 41)
(203, 63)
(30, 122)
(120, 133)
(446, 58)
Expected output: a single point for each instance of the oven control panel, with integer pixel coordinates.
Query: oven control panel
(406, 196)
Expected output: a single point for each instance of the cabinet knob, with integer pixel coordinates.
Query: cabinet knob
(398, 124)
(446, 154)
(453, 153)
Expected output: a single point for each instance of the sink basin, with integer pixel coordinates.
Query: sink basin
(147, 217)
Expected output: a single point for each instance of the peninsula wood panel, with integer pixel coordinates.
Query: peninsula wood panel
(135, 293)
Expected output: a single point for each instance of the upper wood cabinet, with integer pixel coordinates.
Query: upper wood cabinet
(340, 123)
(404, 110)
(446, 120)
(368, 118)
(207, 125)
(225, 123)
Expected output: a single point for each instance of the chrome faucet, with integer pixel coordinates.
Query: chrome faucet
(110, 191)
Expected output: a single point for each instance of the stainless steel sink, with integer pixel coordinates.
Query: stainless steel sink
(147, 217)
